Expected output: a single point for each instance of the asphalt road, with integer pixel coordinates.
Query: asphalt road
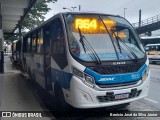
(153, 98)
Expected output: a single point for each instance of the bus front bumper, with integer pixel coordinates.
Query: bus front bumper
(83, 96)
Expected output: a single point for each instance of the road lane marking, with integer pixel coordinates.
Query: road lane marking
(151, 100)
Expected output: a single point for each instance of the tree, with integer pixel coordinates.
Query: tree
(34, 18)
(36, 15)
(10, 37)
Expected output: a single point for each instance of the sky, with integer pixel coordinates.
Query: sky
(149, 8)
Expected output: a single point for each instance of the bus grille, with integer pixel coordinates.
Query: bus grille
(118, 85)
(117, 69)
(111, 97)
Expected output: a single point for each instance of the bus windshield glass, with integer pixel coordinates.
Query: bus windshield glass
(110, 37)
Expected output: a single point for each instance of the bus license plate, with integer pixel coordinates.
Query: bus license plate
(121, 96)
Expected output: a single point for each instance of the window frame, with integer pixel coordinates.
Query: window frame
(58, 55)
(41, 51)
(35, 49)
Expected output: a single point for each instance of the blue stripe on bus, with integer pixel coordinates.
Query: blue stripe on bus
(116, 78)
(63, 78)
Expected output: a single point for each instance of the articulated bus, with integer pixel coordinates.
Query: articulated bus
(88, 60)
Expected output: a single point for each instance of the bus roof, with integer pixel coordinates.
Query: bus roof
(88, 12)
(61, 13)
(151, 37)
(152, 44)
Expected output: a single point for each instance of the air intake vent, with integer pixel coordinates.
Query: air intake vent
(118, 69)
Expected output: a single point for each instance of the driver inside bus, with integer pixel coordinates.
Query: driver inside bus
(75, 49)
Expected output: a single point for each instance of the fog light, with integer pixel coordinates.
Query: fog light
(145, 74)
(84, 96)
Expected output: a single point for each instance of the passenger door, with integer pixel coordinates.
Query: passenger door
(47, 56)
(58, 53)
(58, 45)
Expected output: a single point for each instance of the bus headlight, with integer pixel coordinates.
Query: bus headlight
(145, 74)
(87, 79)
(78, 73)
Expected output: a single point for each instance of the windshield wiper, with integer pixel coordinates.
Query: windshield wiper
(118, 38)
(117, 41)
(119, 46)
(110, 37)
(81, 39)
(87, 47)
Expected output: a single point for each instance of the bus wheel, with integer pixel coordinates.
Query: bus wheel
(60, 100)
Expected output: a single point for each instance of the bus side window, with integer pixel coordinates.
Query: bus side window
(147, 48)
(34, 42)
(58, 51)
(40, 42)
(25, 44)
(29, 44)
(158, 47)
(153, 48)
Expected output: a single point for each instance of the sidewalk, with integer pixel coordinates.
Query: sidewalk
(15, 94)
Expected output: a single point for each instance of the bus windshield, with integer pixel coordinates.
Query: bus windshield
(110, 37)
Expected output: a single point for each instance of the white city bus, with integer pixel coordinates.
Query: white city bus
(153, 52)
(88, 60)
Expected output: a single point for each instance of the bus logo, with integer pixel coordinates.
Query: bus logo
(106, 79)
(119, 63)
(135, 76)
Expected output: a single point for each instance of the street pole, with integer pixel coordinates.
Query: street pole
(67, 8)
(1, 31)
(79, 7)
(1, 43)
(140, 16)
(73, 8)
(125, 11)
